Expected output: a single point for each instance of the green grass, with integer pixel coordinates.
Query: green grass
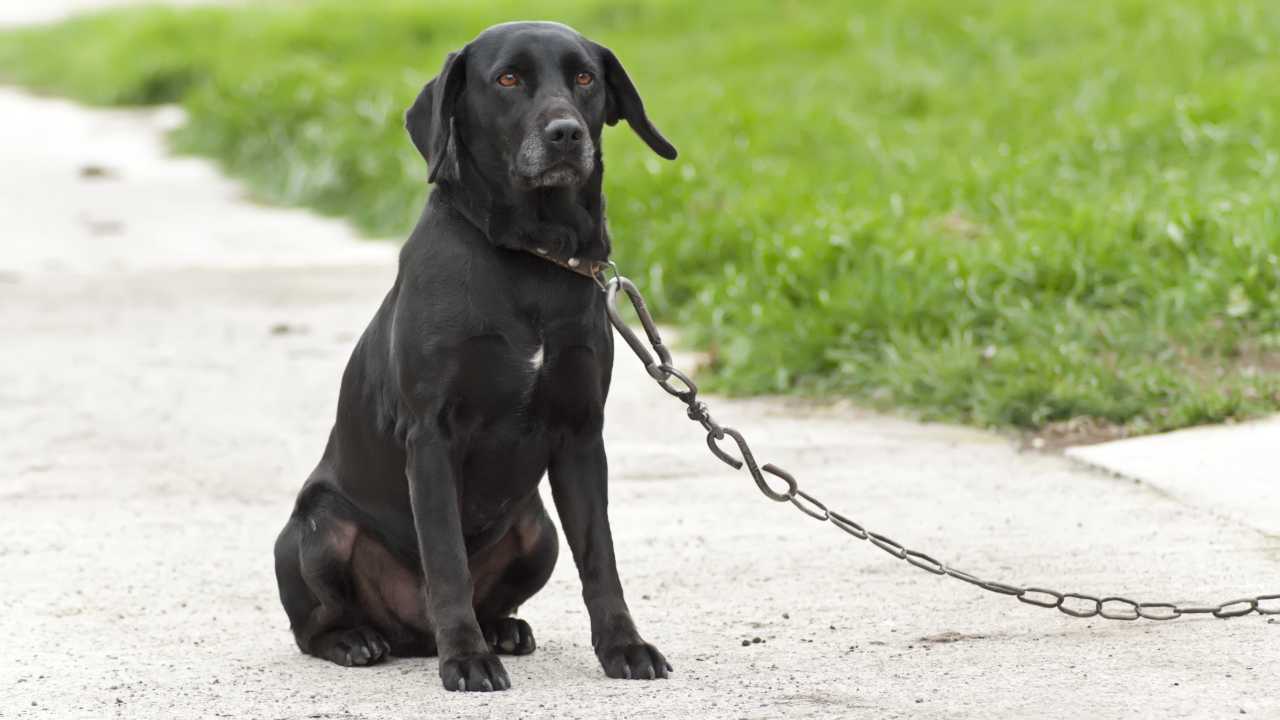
(1005, 213)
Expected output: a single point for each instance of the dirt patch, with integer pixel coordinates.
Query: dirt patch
(1076, 431)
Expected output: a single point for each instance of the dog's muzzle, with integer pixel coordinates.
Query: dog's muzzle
(562, 155)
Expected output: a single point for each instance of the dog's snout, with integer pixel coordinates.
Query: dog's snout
(564, 133)
(558, 155)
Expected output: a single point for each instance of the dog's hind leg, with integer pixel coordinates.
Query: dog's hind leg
(509, 574)
(313, 555)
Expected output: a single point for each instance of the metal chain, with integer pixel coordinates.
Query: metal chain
(679, 385)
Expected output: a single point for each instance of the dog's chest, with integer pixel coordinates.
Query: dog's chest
(524, 377)
(541, 396)
(535, 378)
(534, 361)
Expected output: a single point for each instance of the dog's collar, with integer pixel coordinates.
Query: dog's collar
(460, 202)
(586, 268)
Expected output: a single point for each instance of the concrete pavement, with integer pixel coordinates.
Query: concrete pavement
(168, 385)
(1231, 469)
(29, 12)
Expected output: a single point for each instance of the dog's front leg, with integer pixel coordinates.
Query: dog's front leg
(579, 484)
(466, 663)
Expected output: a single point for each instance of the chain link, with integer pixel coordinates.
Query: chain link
(785, 488)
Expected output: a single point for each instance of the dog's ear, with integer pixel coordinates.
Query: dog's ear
(430, 119)
(623, 103)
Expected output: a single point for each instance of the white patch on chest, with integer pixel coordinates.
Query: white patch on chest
(535, 361)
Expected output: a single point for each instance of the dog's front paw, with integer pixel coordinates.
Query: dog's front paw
(633, 661)
(476, 672)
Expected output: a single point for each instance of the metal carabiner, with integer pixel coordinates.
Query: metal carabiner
(654, 368)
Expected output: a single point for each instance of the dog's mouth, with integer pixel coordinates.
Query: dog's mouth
(561, 174)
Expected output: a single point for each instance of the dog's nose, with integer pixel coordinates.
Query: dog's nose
(564, 134)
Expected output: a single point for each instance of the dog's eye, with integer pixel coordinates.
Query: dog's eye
(583, 78)
(508, 79)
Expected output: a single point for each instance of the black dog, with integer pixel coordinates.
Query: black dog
(421, 530)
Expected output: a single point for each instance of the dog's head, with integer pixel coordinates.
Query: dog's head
(525, 102)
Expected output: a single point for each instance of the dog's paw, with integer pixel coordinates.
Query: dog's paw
(476, 672)
(353, 647)
(508, 636)
(633, 661)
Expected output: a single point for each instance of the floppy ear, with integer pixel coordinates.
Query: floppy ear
(430, 119)
(623, 103)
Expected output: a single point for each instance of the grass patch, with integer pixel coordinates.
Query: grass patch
(1005, 213)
